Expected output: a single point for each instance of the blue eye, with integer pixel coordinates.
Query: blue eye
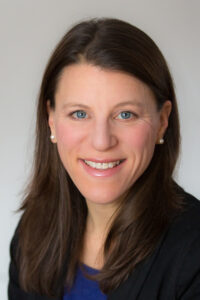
(125, 115)
(79, 114)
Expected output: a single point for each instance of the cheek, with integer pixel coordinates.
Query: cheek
(141, 137)
(66, 136)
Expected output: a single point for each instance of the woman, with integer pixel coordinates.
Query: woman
(102, 216)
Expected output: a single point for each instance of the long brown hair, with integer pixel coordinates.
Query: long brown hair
(54, 212)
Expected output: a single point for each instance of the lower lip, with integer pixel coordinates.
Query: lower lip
(101, 173)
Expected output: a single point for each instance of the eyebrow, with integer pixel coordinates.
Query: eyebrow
(134, 103)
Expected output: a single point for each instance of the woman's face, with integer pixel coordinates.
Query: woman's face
(106, 126)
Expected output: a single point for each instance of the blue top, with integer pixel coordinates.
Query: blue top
(84, 288)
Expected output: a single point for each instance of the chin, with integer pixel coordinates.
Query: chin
(102, 197)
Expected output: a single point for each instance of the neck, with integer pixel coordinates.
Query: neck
(98, 223)
(99, 218)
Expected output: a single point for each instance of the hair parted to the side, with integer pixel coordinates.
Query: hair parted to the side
(53, 222)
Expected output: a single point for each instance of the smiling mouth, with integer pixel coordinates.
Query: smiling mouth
(103, 166)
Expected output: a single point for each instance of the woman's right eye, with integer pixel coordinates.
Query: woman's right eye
(78, 114)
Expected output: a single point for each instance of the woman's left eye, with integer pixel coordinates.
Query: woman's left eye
(124, 115)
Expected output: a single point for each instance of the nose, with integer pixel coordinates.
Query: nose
(102, 136)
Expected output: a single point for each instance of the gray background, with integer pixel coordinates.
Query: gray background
(29, 30)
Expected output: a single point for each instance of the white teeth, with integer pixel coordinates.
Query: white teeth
(102, 166)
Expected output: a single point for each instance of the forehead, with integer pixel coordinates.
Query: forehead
(86, 82)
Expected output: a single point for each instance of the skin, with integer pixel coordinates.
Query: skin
(103, 131)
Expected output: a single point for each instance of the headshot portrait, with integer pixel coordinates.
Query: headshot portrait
(107, 203)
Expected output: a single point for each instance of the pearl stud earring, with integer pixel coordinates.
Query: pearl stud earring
(161, 141)
(52, 137)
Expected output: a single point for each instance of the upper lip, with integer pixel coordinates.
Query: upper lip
(96, 160)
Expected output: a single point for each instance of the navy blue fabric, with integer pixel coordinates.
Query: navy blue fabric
(84, 288)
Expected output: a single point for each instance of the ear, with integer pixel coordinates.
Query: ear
(164, 119)
(50, 112)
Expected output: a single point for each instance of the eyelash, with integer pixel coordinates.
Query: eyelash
(133, 115)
